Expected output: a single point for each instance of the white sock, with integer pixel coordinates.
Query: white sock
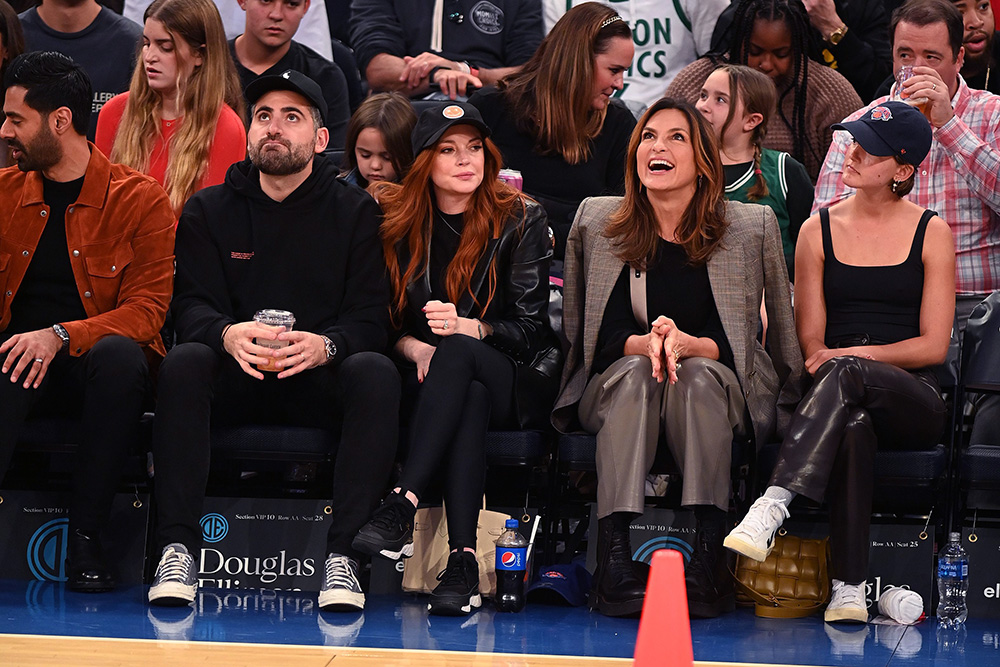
(783, 496)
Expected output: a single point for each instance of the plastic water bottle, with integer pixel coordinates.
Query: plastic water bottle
(953, 582)
(512, 556)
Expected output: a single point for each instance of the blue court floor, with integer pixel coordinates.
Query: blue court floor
(282, 617)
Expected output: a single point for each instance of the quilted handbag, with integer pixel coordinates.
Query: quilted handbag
(792, 582)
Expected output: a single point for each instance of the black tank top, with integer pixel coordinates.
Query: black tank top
(872, 304)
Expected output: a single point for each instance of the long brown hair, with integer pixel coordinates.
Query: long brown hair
(211, 85)
(633, 230)
(757, 92)
(393, 116)
(409, 207)
(551, 97)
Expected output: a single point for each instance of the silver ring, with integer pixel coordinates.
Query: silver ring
(933, 86)
(39, 361)
(445, 327)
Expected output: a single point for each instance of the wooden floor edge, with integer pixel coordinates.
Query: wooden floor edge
(363, 649)
(351, 649)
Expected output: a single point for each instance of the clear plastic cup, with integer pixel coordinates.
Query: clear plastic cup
(904, 73)
(274, 318)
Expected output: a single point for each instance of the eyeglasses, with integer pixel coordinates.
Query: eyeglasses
(455, 14)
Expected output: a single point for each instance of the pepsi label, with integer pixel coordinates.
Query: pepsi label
(512, 558)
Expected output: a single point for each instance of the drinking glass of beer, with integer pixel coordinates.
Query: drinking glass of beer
(904, 73)
(274, 318)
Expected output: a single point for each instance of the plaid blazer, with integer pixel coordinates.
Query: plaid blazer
(747, 266)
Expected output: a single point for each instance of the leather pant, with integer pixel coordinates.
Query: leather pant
(855, 407)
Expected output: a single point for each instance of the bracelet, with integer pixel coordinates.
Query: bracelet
(225, 329)
(479, 325)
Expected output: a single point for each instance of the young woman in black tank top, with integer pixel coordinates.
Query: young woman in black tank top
(874, 304)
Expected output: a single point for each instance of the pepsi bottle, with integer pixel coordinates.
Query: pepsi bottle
(512, 555)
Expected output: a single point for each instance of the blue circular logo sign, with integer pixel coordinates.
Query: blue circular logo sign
(644, 554)
(47, 551)
(214, 527)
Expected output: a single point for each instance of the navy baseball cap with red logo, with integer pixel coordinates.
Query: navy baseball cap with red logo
(561, 584)
(892, 128)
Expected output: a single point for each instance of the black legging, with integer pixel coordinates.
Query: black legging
(468, 387)
(855, 407)
(106, 387)
(198, 387)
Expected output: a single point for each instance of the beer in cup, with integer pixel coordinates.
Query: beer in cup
(904, 73)
(274, 318)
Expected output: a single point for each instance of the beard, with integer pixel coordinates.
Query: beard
(275, 162)
(40, 153)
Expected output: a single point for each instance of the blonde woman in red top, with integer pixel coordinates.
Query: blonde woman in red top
(179, 122)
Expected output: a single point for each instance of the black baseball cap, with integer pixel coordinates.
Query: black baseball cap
(288, 80)
(436, 120)
(892, 128)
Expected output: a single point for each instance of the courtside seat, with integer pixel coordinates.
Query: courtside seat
(980, 466)
(516, 448)
(904, 480)
(578, 451)
(304, 444)
(270, 443)
(47, 446)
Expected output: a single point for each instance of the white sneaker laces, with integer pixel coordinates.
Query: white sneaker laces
(340, 574)
(765, 516)
(174, 566)
(848, 595)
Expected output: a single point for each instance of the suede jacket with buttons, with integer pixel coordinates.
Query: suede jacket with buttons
(120, 237)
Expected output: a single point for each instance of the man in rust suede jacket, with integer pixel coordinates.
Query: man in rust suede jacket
(86, 271)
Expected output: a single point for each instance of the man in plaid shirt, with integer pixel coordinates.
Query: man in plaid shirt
(960, 177)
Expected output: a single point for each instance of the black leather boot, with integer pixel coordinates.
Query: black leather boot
(617, 590)
(86, 568)
(707, 578)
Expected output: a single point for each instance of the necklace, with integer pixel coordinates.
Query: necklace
(440, 215)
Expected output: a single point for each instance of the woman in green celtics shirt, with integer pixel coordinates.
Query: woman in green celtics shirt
(738, 101)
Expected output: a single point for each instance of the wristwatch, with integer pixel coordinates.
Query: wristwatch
(837, 35)
(331, 348)
(60, 331)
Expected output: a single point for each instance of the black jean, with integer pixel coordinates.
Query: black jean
(198, 387)
(106, 388)
(468, 387)
(855, 407)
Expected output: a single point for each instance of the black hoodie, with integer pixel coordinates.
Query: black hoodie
(316, 254)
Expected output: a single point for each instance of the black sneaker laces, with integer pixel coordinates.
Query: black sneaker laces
(392, 516)
(457, 571)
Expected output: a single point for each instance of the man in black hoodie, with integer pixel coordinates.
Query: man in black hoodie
(281, 233)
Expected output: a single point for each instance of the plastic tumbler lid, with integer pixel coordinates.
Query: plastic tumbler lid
(511, 523)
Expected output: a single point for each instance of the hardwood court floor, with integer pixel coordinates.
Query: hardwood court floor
(42, 623)
(32, 650)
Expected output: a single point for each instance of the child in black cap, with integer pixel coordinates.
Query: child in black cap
(874, 304)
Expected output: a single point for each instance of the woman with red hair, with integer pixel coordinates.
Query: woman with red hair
(468, 259)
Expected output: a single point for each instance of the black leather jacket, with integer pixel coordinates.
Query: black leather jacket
(518, 312)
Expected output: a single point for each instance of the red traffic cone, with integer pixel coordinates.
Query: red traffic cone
(665, 630)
